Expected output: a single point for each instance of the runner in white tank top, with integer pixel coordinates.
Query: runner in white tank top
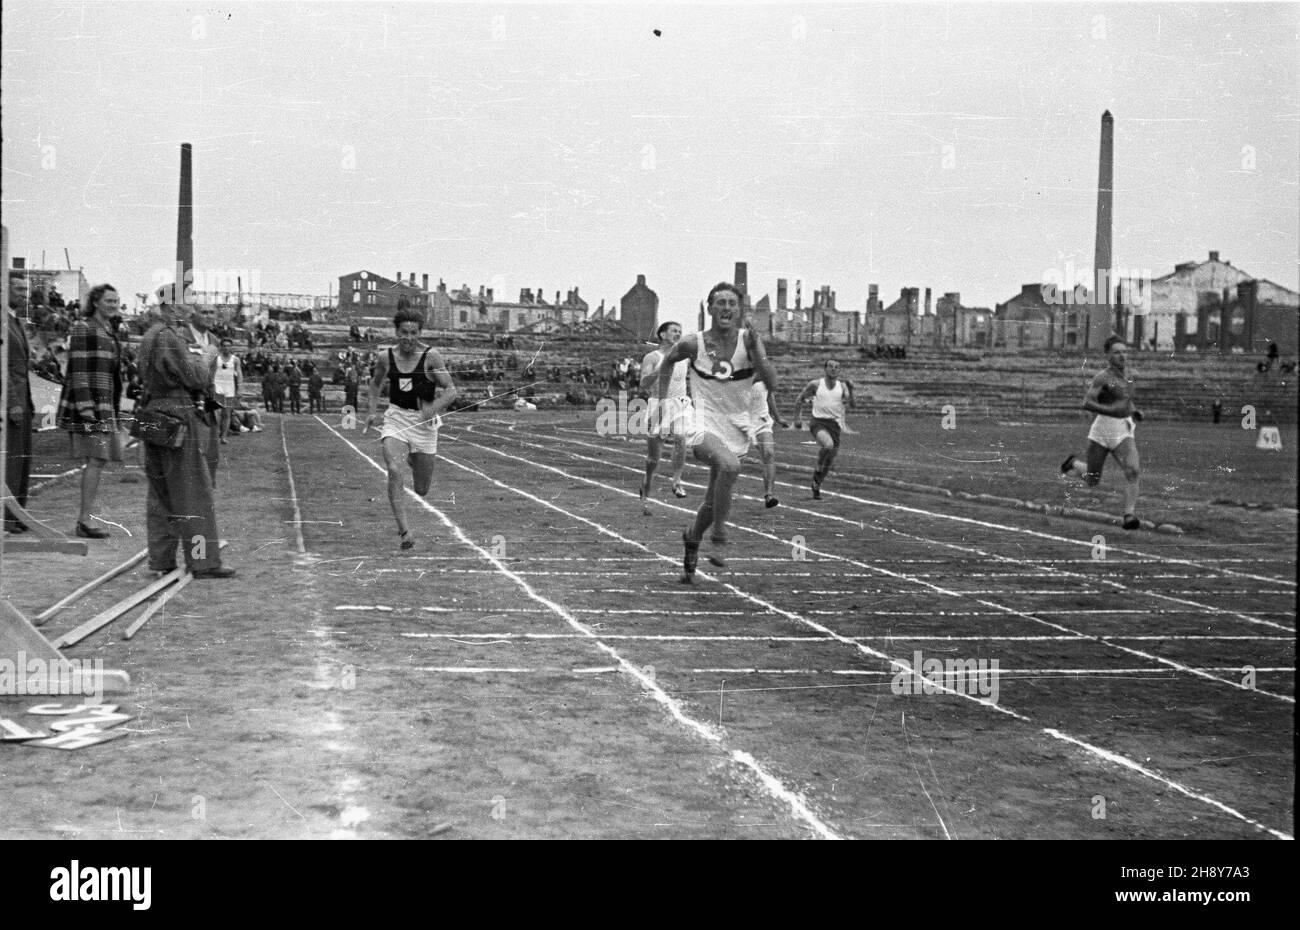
(724, 361)
(672, 418)
(1110, 397)
(762, 415)
(828, 395)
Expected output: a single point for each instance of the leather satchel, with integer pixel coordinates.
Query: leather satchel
(158, 428)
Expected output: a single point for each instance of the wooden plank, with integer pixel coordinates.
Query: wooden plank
(62, 545)
(156, 606)
(105, 617)
(89, 586)
(38, 529)
(20, 642)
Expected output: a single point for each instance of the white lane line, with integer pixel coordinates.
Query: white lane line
(631, 559)
(325, 673)
(1050, 572)
(1143, 770)
(896, 663)
(946, 516)
(1002, 674)
(895, 637)
(792, 799)
(937, 589)
(293, 496)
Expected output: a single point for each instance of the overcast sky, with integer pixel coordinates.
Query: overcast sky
(952, 146)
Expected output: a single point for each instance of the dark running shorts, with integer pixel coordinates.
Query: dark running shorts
(831, 426)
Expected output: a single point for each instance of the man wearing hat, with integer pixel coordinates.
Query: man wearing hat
(179, 506)
(18, 418)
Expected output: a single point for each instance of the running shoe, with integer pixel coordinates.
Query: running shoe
(1131, 522)
(770, 501)
(715, 558)
(407, 541)
(678, 491)
(1067, 464)
(691, 559)
(817, 488)
(645, 504)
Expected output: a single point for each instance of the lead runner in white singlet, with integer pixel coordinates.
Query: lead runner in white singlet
(724, 360)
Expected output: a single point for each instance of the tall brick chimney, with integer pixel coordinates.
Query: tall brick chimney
(1099, 314)
(781, 285)
(185, 223)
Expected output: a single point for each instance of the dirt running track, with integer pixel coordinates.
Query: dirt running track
(533, 669)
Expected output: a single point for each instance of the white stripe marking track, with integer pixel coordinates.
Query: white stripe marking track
(326, 669)
(1237, 685)
(1049, 572)
(943, 516)
(898, 637)
(775, 788)
(902, 665)
(1003, 674)
(1203, 798)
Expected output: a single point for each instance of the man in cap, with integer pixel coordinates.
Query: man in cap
(179, 505)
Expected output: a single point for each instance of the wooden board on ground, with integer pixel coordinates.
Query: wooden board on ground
(21, 642)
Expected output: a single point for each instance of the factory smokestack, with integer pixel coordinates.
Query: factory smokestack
(1100, 317)
(185, 223)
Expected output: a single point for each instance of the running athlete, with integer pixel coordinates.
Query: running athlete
(673, 415)
(724, 361)
(762, 416)
(828, 394)
(1110, 396)
(414, 373)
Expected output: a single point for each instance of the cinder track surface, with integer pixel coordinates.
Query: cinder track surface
(534, 668)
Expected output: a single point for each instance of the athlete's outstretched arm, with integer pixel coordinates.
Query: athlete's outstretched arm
(436, 368)
(377, 382)
(758, 353)
(848, 391)
(649, 373)
(682, 349)
(809, 391)
(774, 413)
(1092, 400)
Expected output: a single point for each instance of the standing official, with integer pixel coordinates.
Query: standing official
(179, 507)
(18, 416)
(293, 378)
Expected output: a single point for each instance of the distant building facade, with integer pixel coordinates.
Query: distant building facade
(463, 309)
(640, 309)
(365, 293)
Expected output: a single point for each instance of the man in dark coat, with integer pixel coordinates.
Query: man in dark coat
(18, 416)
(179, 505)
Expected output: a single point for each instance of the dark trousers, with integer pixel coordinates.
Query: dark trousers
(18, 465)
(315, 403)
(295, 399)
(351, 400)
(179, 505)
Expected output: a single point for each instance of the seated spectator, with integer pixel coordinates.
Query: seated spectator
(244, 418)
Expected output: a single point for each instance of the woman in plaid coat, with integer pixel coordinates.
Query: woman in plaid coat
(88, 406)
